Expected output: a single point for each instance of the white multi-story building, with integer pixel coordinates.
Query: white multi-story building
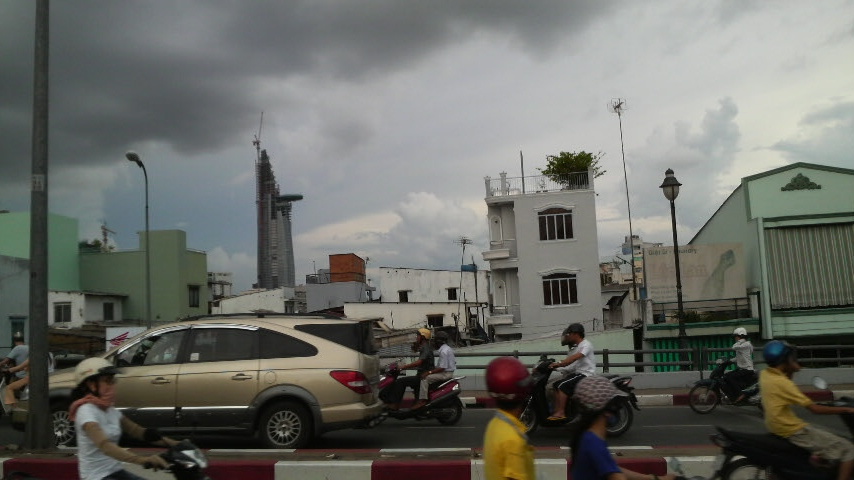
(413, 297)
(543, 254)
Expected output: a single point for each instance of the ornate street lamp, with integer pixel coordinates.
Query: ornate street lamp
(133, 157)
(670, 188)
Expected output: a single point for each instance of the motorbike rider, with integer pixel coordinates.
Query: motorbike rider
(100, 425)
(393, 394)
(506, 452)
(599, 399)
(743, 376)
(444, 369)
(580, 363)
(779, 393)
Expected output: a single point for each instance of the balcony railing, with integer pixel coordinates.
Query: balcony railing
(505, 186)
(703, 310)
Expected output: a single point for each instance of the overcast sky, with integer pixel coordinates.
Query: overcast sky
(387, 115)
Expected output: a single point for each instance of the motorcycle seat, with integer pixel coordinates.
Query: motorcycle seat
(767, 443)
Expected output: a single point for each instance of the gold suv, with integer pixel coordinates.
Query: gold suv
(281, 378)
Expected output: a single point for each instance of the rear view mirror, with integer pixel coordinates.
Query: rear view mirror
(819, 383)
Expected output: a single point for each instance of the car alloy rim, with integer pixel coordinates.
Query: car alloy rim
(284, 427)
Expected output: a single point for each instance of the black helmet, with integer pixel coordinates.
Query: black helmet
(441, 336)
(18, 337)
(572, 328)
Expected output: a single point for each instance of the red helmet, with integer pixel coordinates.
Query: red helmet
(508, 379)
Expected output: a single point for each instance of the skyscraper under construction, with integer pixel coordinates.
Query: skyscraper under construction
(275, 241)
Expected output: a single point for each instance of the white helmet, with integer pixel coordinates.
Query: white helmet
(740, 332)
(93, 367)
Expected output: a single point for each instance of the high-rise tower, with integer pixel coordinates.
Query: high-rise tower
(275, 240)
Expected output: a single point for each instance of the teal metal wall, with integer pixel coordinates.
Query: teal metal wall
(63, 268)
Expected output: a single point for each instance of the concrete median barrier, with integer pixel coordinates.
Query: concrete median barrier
(554, 466)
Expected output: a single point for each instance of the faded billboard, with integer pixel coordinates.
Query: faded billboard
(709, 272)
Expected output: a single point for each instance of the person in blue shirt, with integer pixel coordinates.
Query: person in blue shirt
(599, 399)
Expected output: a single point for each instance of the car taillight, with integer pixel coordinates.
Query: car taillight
(355, 381)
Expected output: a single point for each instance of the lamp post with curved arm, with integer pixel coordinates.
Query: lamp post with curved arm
(133, 157)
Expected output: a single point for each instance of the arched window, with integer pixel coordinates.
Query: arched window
(495, 233)
(560, 289)
(555, 224)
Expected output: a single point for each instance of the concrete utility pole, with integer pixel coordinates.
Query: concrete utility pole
(39, 426)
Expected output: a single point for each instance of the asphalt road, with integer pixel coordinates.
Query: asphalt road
(657, 427)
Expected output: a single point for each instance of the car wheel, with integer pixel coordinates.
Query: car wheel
(63, 426)
(285, 425)
(451, 414)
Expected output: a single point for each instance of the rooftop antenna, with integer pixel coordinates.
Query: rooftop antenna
(104, 236)
(618, 106)
(257, 141)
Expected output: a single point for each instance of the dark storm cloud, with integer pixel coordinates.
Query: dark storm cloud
(191, 74)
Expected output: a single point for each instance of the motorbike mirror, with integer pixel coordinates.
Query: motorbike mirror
(819, 383)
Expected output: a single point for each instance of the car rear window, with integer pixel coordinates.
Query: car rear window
(357, 336)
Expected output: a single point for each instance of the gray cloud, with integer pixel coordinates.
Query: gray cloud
(368, 103)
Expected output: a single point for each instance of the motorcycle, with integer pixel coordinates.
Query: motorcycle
(443, 400)
(764, 455)
(538, 405)
(186, 462)
(708, 393)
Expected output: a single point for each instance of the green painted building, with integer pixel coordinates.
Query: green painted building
(796, 226)
(81, 282)
(178, 277)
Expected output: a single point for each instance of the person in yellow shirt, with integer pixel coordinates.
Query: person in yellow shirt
(779, 393)
(506, 452)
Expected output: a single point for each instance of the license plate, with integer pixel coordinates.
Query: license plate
(718, 463)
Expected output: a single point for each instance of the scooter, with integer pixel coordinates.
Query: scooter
(443, 400)
(186, 462)
(708, 393)
(538, 406)
(764, 455)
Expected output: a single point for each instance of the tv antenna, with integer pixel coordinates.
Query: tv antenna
(618, 106)
(105, 236)
(462, 241)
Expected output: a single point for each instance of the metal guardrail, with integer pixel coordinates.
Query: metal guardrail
(699, 359)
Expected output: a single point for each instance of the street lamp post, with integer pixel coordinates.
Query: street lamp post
(670, 187)
(133, 157)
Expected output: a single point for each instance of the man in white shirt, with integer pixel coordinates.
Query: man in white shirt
(444, 369)
(580, 363)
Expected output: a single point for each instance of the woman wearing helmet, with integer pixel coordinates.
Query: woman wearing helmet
(506, 453)
(393, 394)
(779, 393)
(598, 399)
(100, 425)
(743, 376)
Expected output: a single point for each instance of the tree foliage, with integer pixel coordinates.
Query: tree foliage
(560, 165)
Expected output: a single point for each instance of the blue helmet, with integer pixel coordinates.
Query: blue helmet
(777, 352)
